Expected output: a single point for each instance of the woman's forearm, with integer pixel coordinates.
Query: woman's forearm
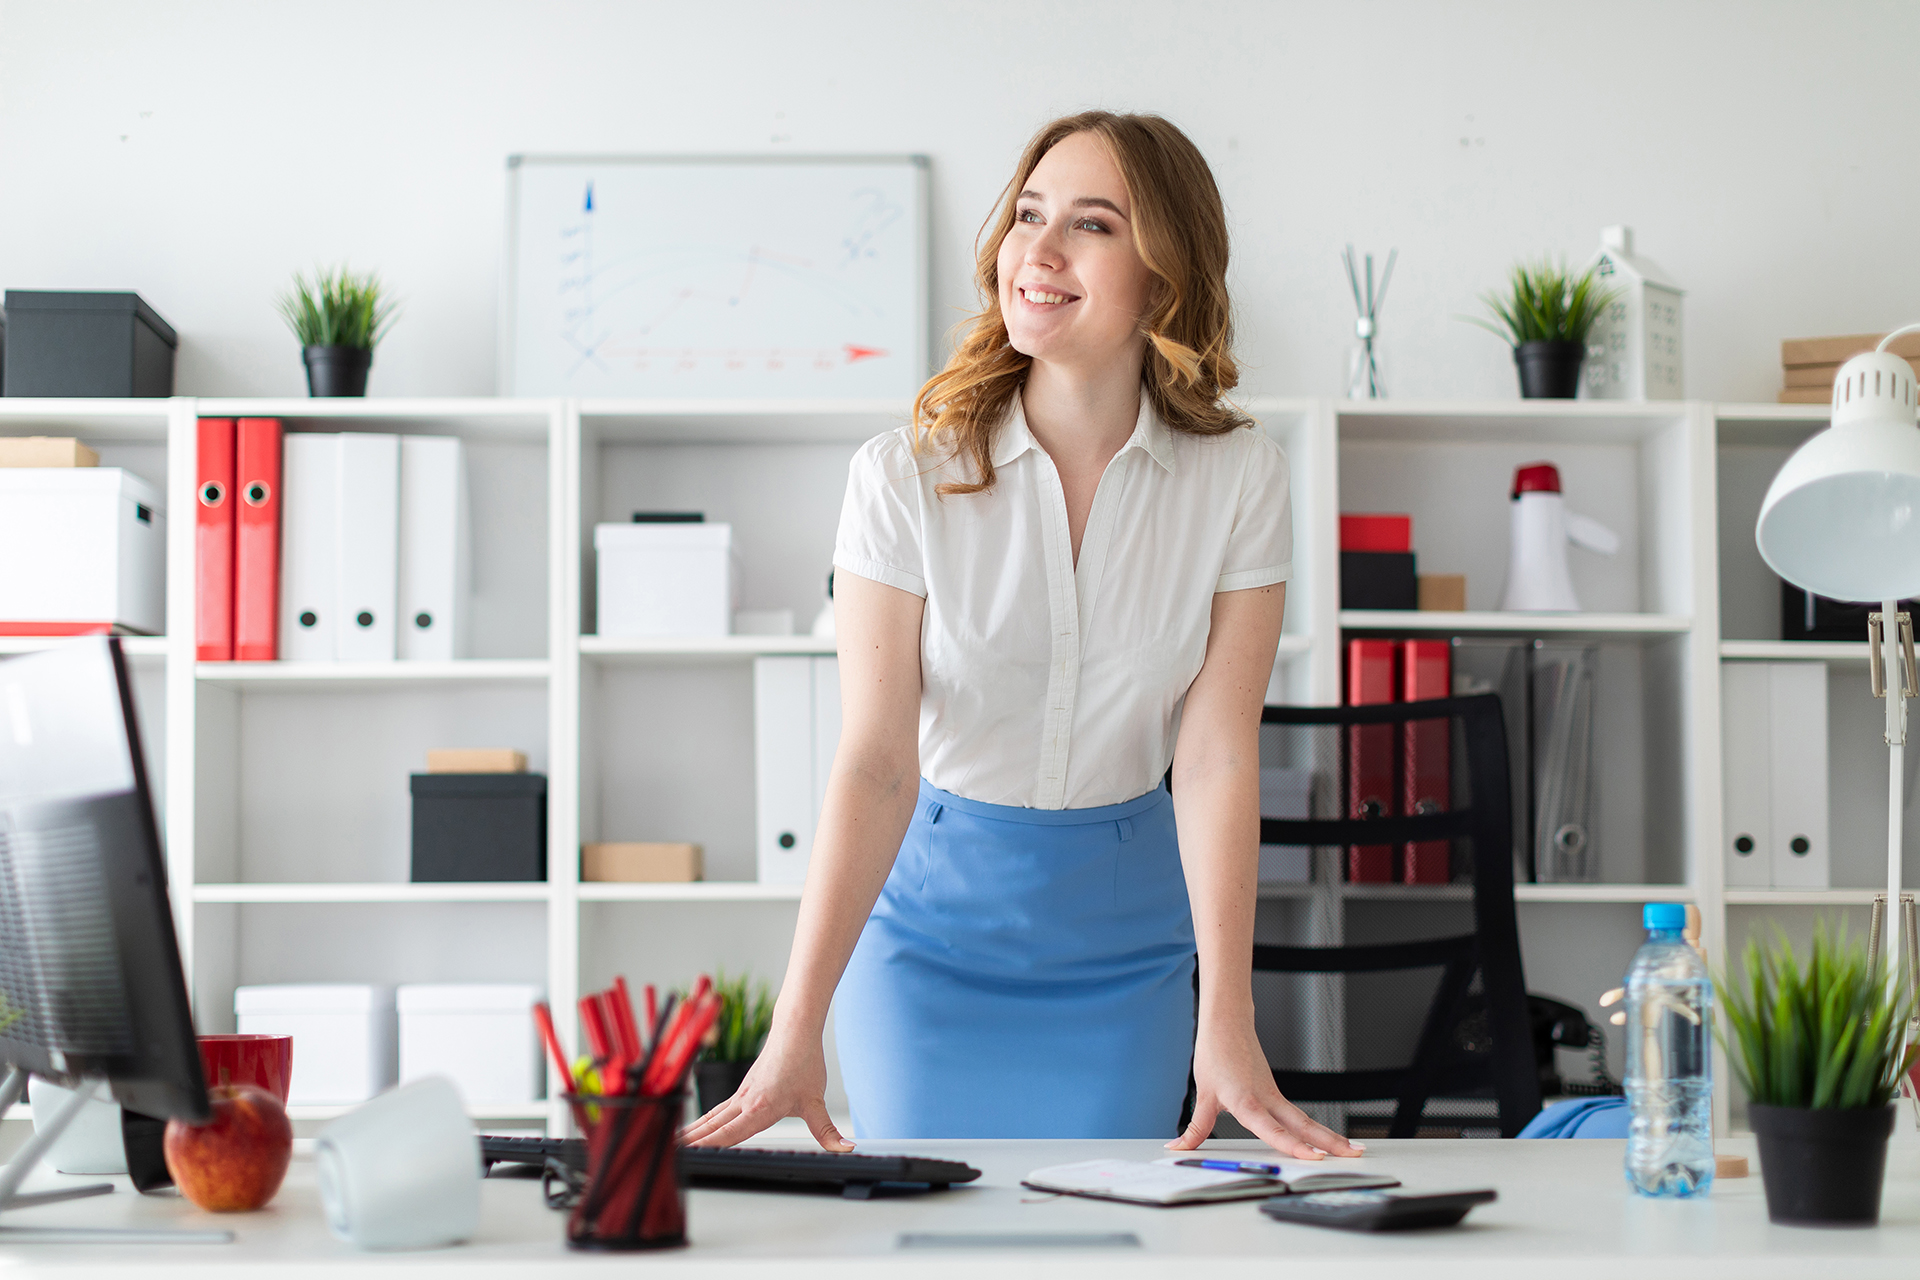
(1216, 794)
(870, 793)
(1217, 810)
(869, 802)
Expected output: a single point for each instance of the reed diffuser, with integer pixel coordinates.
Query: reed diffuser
(1363, 369)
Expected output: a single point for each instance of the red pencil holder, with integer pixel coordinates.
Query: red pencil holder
(634, 1197)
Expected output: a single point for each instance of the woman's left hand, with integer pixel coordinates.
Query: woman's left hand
(1231, 1074)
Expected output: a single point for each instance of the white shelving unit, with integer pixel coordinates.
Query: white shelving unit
(1750, 444)
(282, 785)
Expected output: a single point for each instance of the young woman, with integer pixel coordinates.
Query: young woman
(1067, 574)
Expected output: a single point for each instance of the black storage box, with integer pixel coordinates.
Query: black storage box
(479, 826)
(1378, 580)
(1817, 618)
(86, 344)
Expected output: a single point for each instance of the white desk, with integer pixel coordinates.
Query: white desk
(1563, 1212)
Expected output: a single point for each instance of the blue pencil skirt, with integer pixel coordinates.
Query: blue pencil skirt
(1026, 973)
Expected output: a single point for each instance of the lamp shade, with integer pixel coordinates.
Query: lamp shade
(1842, 519)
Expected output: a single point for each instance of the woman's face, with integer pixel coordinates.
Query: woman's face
(1072, 286)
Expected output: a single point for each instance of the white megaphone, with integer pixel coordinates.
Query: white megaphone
(1537, 577)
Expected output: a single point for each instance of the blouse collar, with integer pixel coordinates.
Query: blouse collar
(1149, 434)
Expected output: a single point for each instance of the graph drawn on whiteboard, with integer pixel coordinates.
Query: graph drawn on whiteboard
(737, 279)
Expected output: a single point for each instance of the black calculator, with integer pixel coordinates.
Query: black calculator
(1375, 1210)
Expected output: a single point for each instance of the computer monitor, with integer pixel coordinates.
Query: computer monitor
(89, 966)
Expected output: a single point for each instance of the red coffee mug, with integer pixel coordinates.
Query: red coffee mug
(266, 1061)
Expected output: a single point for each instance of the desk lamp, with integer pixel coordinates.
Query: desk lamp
(1842, 520)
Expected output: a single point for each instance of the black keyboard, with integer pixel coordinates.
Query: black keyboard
(756, 1168)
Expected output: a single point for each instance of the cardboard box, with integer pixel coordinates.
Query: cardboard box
(1809, 375)
(45, 451)
(640, 862)
(1443, 592)
(1798, 351)
(476, 760)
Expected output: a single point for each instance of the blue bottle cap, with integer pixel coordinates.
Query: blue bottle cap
(1664, 915)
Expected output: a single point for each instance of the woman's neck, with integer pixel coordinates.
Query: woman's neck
(1079, 416)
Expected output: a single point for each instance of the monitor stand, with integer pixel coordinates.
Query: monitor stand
(44, 1136)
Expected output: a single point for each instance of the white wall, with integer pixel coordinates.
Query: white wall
(200, 152)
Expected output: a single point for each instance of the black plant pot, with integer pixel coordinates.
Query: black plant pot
(1549, 370)
(1822, 1168)
(337, 371)
(718, 1081)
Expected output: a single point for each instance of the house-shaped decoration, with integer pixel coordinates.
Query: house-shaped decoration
(1633, 349)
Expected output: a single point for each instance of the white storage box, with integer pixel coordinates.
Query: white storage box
(86, 549)
(481, 1036)
(664, 579)
(342, 1037)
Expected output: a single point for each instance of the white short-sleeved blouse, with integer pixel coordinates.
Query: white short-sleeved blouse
(1046, 686)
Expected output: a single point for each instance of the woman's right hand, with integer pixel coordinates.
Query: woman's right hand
(789, 1078)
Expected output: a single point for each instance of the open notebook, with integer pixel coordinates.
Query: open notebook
(1167, 1182)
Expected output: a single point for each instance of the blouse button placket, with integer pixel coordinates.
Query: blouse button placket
(1063, 671)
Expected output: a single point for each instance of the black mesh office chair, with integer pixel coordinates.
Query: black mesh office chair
(1473, 1042)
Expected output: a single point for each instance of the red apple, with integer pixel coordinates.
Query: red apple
(236, 1160)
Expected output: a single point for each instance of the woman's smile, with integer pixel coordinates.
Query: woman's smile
(1037, 297)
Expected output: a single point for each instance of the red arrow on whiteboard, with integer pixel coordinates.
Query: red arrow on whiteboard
(862, 353)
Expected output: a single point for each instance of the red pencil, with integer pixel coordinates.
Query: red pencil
(670, 1063)
(594, 1029)
(623, 1021)
(653, 1009)
(609, 1022)
(543, 1018)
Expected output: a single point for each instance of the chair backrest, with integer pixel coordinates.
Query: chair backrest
(1474, 1038)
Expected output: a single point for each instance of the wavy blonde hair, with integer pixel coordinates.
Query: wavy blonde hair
(1180, 232)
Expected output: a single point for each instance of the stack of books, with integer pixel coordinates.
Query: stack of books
(1808, 365)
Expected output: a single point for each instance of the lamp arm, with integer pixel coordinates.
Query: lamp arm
(1905, 328)
(1895, 634)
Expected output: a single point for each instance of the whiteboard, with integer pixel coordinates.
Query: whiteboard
(736, 278)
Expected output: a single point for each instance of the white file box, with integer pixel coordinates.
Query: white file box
(664, 579)
(342, 1033)
(1746, 772)
(479, 1035)
(309, 522)
(796, 730)
(434, 552)
(1799, 775)
(85, 549)
(367, 547)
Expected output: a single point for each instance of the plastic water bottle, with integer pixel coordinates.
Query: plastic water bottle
(1669, 1061)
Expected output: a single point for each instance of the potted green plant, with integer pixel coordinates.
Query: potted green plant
(1545, 315)
(338, 317)
(746, 1015)
(1820, 1052)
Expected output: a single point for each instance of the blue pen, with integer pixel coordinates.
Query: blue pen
(1233, 1166)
